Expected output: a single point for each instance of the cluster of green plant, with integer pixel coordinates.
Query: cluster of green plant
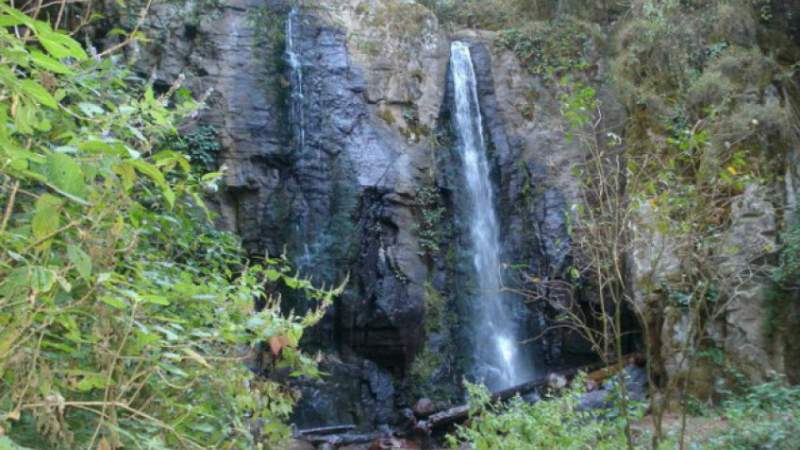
(201, 145)
(423, 370)
(783, 293)
(429, 227)
(765, 416)
(489, 15)
(498, 15)
(557, 421)
(705, 123)
(429, 360)
(672, 195)
(125, 319)
(787, 273)
(554, 47)
(270, 34)
(501, 14)
(687, 67)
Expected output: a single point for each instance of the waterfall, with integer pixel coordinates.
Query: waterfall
(296, 82)
(498, 355)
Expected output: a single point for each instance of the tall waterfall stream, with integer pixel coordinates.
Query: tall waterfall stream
(499, 359)
(296, 81)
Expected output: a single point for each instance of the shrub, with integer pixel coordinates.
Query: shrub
(765, 416)
(561, 46)
(201, 145)
(125, 319)
(429, 226)
(557, 422)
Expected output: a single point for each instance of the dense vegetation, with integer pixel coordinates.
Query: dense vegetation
(126, 320)
(765, 416)
(708, 91)
(557, 422)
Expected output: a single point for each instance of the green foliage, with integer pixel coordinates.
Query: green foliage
(435, 309)
(428, 229)
(423, 369)
(578, 104)
(787, 273)
(270, 34)
(503, 14)
(765, 416)
(556, 422)
(125, 319)
(703, 124)
(387, 116)
(554, 47)
(490, 15)
(202, 147)
(428, 361)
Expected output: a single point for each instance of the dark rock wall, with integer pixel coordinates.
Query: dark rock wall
(345, 204)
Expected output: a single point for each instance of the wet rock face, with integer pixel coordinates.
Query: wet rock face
(343, 201)
(363, 395)
(532, 193)
(356, 175)
(341, 204)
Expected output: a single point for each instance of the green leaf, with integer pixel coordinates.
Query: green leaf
(81, 261)
(7, 444)
(90, 109)
(47, 216)
(154, 299)
(272, 274)
(92, 381)
(38, 92)
(114, 302)
(13, 17)
(45, 62)
(42, 278)
(64, 283)
(127, 174)
(25, 118)
(154, 174)
(59, 45)
(65, 174)
(104, 277)
(95, 146)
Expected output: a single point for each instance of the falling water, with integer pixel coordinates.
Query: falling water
(296, 81)
(499, 358)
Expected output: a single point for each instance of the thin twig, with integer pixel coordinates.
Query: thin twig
(132, 35)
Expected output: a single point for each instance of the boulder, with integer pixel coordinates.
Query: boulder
(747, 246)
(424, 407)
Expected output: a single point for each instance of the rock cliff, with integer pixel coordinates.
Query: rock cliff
(371, 190)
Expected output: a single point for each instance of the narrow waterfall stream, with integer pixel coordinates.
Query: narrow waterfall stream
(499, 360)
(296, 82)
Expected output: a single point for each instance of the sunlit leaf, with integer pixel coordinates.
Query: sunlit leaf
(48, 63)
(64, 173)
(47, 217)
(42, 278)
(81, 261)
(38, 93)
(114, 302)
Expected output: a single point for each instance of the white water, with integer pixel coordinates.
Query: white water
(296, 66)
(498, 354)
